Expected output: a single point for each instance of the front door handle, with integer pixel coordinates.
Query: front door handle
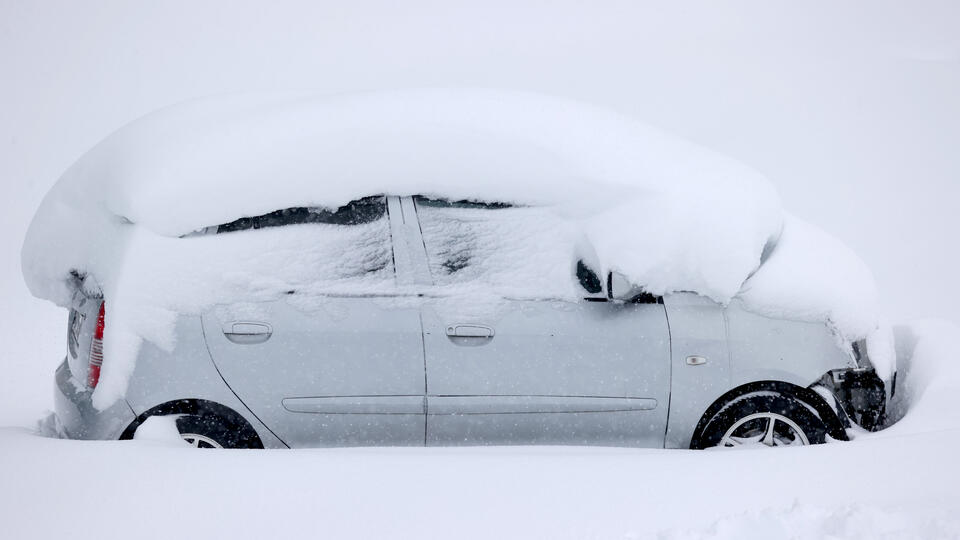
(469, 334)
(247, 333)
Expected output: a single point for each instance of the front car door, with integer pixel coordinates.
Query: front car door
(338, 361)
(514, 352)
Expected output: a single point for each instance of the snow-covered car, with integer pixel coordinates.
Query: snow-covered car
(394, 306)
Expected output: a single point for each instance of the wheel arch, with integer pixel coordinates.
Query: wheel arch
(197, 407)
(835, 427)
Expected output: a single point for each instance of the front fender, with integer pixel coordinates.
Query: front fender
(767, 348)
(860, 394)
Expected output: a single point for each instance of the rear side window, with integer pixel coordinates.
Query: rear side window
(366, 210)
(495, 248)
(330, 250)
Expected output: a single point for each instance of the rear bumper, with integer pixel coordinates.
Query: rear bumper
(77, 418)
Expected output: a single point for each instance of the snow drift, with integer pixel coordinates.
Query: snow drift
(668, 214)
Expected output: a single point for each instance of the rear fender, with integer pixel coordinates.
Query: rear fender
(186, 373)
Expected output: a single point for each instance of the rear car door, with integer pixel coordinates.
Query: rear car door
(338, 362)
(514, 352)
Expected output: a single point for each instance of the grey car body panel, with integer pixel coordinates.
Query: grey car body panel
(536, 404)
(73, 401)
(567, 359)
(766, 348)
(358, 371)
(741, 348)
(697, 329)
(186, 372)
(569, 429)
(358, 405)
(351, 348)
(78, 419)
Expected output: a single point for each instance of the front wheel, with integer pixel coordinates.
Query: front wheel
(764, 418)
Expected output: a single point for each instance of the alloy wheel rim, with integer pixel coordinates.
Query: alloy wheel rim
(199, 441)
(766, 428)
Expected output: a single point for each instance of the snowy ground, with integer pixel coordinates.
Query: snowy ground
(850, 109)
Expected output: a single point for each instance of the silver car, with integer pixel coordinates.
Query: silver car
(619, 367)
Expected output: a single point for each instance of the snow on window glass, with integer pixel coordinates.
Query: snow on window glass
(356, 212)
(310, 256)
(345, 252)
(300, 249)
(309, 259)
(498, 249)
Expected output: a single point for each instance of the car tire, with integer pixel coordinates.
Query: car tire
(210, 431)
(768, 418)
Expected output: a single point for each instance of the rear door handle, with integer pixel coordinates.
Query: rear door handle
(469, 334)
(247, 333)
(469, 331)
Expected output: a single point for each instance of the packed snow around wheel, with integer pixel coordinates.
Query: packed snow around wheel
(586, 182)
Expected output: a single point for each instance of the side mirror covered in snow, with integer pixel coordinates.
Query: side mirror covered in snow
(620, 288)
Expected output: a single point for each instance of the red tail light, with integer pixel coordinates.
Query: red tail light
(96, 352)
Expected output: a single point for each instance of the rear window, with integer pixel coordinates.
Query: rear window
(74, 329)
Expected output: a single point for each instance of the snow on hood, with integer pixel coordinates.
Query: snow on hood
(668, 214)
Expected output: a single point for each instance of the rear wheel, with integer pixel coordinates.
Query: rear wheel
(209, 431)
(764, 418)
(199, 441)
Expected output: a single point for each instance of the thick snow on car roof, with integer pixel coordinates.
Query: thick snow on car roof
(670, 215)
(646, 199)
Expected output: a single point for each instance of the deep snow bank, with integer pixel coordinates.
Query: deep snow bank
(668, 214)
(928, 378)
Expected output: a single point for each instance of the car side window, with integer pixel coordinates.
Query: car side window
(499, 249)
(313, 249)
(366, 210)
(453, 238)
(588, 279)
